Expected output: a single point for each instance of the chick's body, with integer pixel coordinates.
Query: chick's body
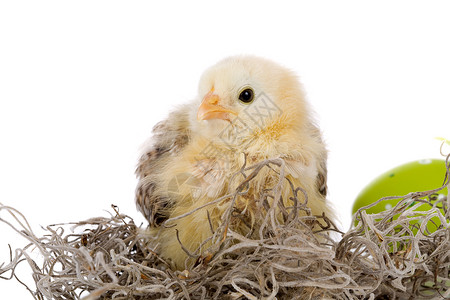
(248, 109)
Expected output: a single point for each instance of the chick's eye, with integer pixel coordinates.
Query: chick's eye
(246, 96)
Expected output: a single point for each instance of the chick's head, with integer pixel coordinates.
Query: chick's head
(244, 96)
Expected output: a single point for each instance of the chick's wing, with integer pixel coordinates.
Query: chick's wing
(169, 138)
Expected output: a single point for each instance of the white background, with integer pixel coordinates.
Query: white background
(83, 82)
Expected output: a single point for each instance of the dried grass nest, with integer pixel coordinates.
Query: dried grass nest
(380, 257)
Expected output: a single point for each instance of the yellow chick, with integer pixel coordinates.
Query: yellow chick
(247, 108)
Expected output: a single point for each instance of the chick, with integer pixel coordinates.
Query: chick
(247, 108)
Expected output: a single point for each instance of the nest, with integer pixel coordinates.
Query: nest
(294, 257)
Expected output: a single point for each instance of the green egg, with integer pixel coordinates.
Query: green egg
(416, 176)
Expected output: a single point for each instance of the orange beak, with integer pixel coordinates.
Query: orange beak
(210, 109)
